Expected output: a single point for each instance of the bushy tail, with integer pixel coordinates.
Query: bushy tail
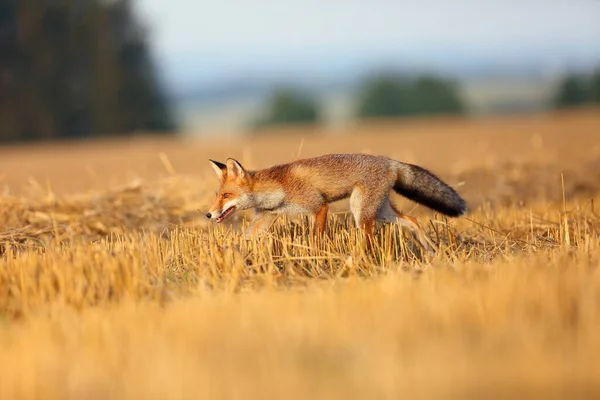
(423, 187)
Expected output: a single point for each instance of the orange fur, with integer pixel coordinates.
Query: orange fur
(309, 185)
(321, 219)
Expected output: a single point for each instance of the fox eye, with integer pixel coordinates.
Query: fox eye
(226, 195)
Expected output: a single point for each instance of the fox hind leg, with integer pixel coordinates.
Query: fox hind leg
(390, 214)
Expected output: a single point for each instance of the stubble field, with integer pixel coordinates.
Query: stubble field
(114, 285)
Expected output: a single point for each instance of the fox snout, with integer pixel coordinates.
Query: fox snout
(213, 214)
(220, 214)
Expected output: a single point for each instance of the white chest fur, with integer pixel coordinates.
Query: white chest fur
(269, 200)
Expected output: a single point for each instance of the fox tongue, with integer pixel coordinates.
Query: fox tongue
(225, 214)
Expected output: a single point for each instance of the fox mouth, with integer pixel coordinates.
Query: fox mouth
(226, 214)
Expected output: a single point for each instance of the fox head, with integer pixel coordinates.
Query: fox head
(234, 193)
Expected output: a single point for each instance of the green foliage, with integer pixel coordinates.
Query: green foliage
(595, 87)
(578, 89)
(393, 95)
(431, 95)
(572, 92)
(73, 68)
(384, 96)
(288, 106)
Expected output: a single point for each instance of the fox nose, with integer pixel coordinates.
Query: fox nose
(208, 215)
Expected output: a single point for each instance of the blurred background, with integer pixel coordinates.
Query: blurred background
(84, 68)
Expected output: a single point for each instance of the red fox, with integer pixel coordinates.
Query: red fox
(307, 186)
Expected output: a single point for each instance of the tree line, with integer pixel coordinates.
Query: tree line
(383, 95)
(81, 68)
(578, 89)
(76, 68)
(395, 95)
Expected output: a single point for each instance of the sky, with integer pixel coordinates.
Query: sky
(203, 42)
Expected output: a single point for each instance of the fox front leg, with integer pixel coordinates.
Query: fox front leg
(321, 220)
(262, 222)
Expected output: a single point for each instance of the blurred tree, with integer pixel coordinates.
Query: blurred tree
(289, 106)
(595, 87)
(572, 91)
(75, 68)
(8, 53)
(384, 96)
(432, 95)
(391, 95)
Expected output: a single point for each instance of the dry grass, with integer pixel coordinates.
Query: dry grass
(113, 286)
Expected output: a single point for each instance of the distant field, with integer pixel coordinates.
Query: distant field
(114, 285)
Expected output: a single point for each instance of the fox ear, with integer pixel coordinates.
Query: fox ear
(220, 168)
(235, 169)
